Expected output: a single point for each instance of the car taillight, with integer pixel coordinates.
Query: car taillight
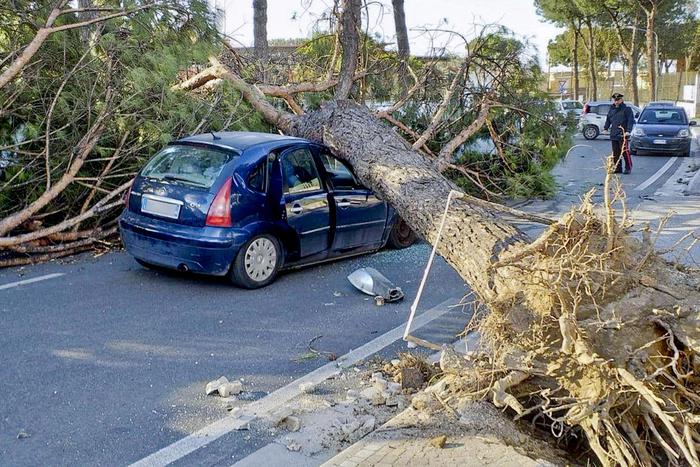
(219, 214)
(127, 195)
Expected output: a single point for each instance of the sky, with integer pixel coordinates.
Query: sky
(298, 18)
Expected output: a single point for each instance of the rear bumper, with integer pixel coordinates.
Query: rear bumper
(672, 146)
(205, 250)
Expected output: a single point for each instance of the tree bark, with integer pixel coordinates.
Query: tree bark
(401, 31)
(574, 58)
(404, 50)
(592, 74)
(472, 238)
(630, 52)
(651, 49)
(350, 21)
(260, 45)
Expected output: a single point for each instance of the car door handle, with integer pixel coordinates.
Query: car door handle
(344, 203)
(296, 209)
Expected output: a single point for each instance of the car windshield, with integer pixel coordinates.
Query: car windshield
(571, 105)
(191, 165)
(663, 117)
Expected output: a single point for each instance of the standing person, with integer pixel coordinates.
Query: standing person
(620, 121)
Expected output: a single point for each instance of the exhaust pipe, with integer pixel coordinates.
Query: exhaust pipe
(182, 267)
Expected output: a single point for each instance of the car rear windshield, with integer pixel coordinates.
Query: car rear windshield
(663, 117)
(191, 165)
(571, 105)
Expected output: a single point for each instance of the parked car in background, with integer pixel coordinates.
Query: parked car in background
(248, 205)
(593, 117)
(569, 108)
(662, 129)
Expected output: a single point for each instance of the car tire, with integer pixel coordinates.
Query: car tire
(590, 132)
(401, 235)
(257, 262)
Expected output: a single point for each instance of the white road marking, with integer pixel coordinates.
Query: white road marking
(267, 404)
(656, 176)
(31, 281)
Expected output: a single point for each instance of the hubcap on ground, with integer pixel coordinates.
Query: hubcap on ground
(260, 259)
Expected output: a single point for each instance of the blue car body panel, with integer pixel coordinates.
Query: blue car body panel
(312, 226)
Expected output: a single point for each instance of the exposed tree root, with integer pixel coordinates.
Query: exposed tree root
(586, 339)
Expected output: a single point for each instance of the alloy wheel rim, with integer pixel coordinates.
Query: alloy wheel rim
(260, 259)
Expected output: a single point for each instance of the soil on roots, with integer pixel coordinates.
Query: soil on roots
(596, 335)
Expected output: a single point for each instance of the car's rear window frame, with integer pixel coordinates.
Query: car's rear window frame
(229, 152)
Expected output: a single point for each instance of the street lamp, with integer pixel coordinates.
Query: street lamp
(656, 57)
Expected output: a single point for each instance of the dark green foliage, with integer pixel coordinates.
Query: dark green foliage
(138, 58)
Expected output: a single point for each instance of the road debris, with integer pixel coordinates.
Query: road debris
(23, 435)
(372, 282)
(438, 441)
(411, 378)
(223, 387)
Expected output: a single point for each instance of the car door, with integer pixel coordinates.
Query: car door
(360, 217)
(600, 113)
(305, 200)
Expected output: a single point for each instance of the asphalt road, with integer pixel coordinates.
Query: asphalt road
(107, 362)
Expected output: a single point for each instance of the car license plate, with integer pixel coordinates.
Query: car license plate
(659, 141)
(163, 207)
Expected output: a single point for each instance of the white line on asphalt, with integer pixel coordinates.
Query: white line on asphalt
(31, 281)
(210, 433)
(656, 176)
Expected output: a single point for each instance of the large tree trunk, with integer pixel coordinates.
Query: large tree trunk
(351, 16)
(574, 59)
(404, 50)
(633, 61)
(651, 49)
(472, 237)
(592, 60)
(260, 29)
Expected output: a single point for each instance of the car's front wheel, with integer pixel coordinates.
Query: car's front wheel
(591, 132)
(401, 235)
(257, 262)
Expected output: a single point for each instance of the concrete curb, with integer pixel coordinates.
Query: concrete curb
(694, 185)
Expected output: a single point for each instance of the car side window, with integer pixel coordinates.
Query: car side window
(339, 175)
(256, 179)
(299, 172)
(603, 109)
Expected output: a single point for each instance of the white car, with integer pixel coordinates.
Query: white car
(593, 117)
(568, 107)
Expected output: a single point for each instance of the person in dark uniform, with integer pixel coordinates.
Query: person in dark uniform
(620, 121)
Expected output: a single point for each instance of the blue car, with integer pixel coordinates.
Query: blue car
(662, 128)
(248, 205)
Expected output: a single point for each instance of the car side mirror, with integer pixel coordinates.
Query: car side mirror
(693, 123)
(636, 115)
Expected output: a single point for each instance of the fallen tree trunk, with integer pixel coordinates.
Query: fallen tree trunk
(586, 327)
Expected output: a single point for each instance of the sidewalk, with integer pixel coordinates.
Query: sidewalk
(394, 444)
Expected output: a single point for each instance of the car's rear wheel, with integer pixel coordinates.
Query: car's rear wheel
(401, 235)
(257, 262)
(591, 132)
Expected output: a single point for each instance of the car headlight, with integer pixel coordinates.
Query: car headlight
(638, 132)
(684, 134)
